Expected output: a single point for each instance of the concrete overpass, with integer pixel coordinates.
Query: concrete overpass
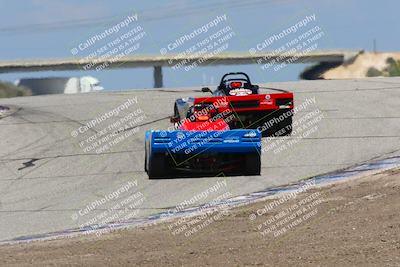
(171, 60)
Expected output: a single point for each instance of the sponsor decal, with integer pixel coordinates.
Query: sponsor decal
(240, 92)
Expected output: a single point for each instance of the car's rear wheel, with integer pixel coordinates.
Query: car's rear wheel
(157, 166)
(145, 161)
(286, 124)
(253, 164)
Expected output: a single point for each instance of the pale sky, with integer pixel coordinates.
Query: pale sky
(49, 29)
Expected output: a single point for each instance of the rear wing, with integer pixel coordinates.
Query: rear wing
(195, 142)
(271, 101)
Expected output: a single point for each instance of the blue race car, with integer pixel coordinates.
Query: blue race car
(202, 144)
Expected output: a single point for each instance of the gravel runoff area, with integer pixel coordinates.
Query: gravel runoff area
(352, 223)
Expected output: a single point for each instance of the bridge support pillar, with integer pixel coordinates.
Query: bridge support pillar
(158, 78)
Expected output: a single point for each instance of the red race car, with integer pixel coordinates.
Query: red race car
(270, 113)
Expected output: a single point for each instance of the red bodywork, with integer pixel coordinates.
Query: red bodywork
(239, 103)
(256, 102)
(204, 123)
(253, 111)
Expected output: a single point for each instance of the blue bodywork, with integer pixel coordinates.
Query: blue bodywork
(196, 142)
(209, 152)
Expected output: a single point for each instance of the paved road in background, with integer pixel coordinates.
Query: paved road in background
(49, 183)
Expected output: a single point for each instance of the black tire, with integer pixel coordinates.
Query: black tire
(176, 112)
(276, 129)
(269, 131)
(145, 161)
(285, 125)
(157, 166)
(253, 164)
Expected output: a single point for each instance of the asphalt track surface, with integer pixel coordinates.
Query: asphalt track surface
(47, 180)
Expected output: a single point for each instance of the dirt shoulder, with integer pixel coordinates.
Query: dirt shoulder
(356, 223)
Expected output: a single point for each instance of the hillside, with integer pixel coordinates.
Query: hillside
(367, 65)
